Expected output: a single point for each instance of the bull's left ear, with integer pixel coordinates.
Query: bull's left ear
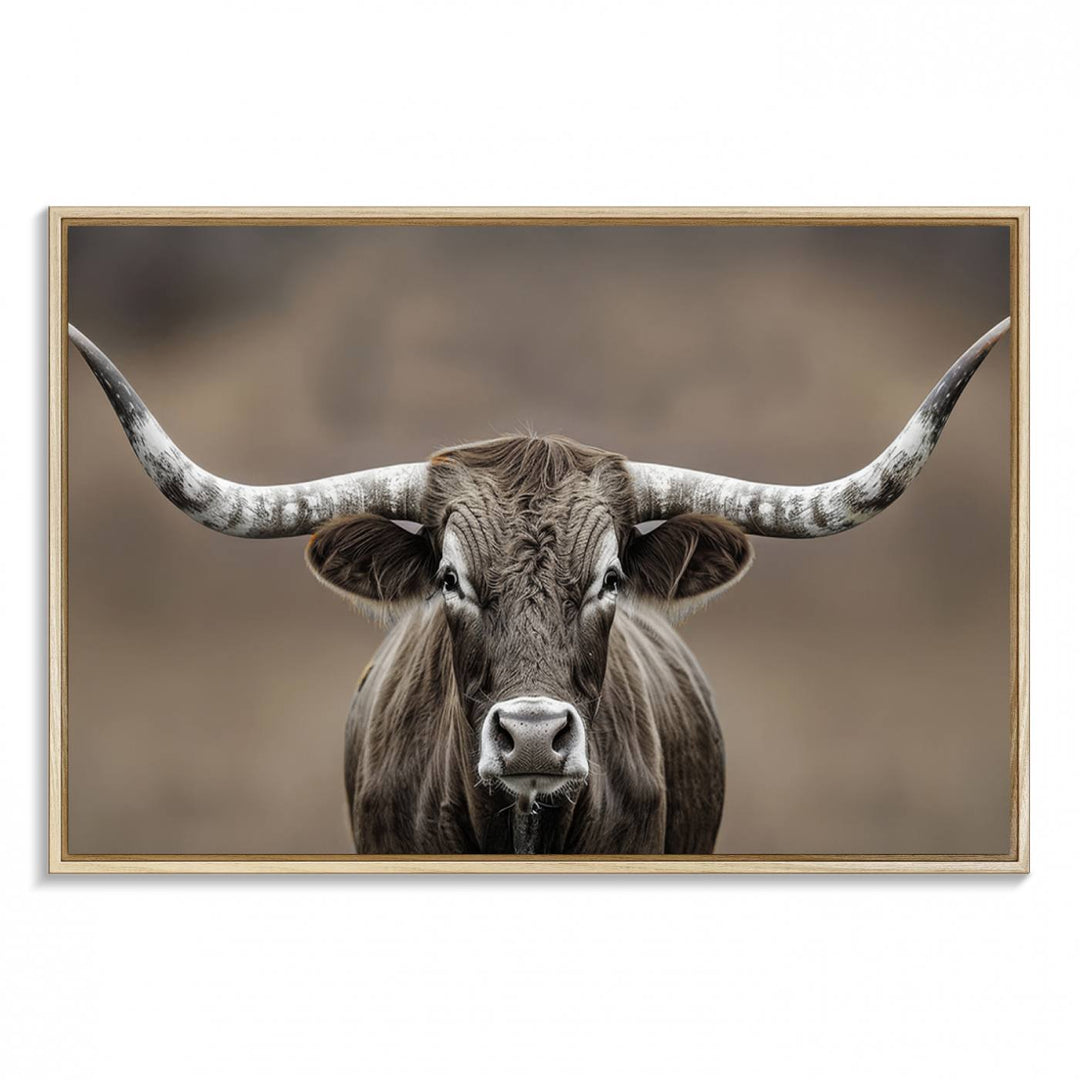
(686, 561)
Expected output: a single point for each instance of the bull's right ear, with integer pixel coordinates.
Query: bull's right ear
(373, 561)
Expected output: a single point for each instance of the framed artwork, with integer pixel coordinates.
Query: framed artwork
(606, 509)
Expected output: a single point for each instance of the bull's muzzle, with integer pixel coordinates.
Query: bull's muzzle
(533, 746)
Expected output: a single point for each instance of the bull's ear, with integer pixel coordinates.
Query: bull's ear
(685, 562)
(376, 562)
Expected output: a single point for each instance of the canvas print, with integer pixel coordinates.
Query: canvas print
(542, 538)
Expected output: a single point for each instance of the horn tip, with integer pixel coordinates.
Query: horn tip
(999, 331)
(79, 339)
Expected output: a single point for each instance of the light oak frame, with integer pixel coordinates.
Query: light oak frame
(1014, 218)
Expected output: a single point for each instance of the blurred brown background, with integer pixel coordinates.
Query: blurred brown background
(862, 679)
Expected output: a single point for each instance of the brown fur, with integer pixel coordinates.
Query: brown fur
(531, 513)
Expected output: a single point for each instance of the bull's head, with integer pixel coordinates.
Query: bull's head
(529, 545)
(526, 544)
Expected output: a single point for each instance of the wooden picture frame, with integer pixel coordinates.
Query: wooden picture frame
(61, 860)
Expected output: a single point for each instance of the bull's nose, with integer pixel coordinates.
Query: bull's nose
(535, 741)
(528, 737)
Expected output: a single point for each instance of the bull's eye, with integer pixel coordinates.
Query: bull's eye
(450, 580)
(611, 581)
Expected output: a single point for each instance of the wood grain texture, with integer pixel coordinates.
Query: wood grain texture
(1020, 547)
(537, 215)
(57, 544)
(1017, 218)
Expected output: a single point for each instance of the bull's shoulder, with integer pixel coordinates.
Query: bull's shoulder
(399, 690)
(654, 679)
(648, 646)
(657, 681)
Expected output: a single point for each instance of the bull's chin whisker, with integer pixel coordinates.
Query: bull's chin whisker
(569, 796)
(569, 787)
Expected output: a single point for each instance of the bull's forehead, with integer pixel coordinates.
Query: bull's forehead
(503, 536)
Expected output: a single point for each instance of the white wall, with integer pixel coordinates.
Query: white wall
(630, 103)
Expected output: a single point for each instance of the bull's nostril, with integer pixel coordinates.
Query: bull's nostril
(503, 739)
(563, 737)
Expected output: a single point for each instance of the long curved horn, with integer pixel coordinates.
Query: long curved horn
(241, 509)
(817, 509)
